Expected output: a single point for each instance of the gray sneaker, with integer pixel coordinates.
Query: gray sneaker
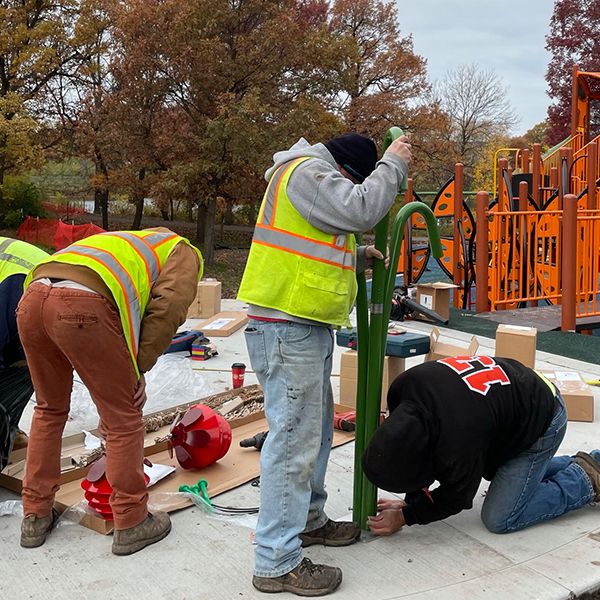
(154, 528)
(592, 470)
(307, 579)
(34, 530)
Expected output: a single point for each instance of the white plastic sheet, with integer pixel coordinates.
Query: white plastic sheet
(170, 382)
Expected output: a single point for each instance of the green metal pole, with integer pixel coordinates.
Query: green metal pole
(372, 338)
(370, 361)
(375, 356)
(362, 326)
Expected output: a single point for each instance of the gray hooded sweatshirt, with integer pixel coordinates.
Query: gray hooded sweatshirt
(331, 202)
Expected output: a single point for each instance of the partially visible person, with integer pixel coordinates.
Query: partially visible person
(300, 282)
(106, 306)
(17, 258)
(461, 419)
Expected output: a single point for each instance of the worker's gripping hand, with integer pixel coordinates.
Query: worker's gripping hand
(401, 148)
(372, 253)
(139, 397)
(389, 519)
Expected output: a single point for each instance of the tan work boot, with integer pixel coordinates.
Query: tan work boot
(154, 528)
(307, 579)
(592, 470)
(21, 440)
(333, 533)
(34, 530)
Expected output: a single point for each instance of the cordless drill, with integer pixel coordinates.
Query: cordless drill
(256, 441)
(345, 421)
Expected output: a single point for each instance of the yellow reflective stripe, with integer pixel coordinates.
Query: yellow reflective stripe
(289, 242)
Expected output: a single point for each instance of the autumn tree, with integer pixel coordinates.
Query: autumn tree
(383, 83)
(479, 112)
(572, 40)
(381, 74)
(140, 127)
(34, 47)
(246, 76)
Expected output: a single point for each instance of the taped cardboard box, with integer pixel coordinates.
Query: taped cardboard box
(577, 394)
(207, 301)
(436, 297)
(518, 342)
(439, 350)
(392, 367)
(223, 324)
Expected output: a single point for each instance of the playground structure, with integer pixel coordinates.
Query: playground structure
(537, 242)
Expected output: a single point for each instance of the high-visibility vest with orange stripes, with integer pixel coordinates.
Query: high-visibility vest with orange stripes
(129, 262)
(294, 267)
(17, 257)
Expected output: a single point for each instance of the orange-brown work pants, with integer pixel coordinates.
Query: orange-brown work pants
(62, 329)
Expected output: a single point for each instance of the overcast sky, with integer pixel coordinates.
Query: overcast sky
(507, 37)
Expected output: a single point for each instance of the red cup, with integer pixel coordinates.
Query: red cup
(237, 374)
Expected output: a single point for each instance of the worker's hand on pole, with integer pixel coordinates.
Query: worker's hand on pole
(389, 519)
(372, 253)
(139, 397)
(401, 148)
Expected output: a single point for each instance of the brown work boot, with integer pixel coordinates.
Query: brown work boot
(592, 470)
(333, 533)
(21, 440)
(34, 530)
(154, 528)
(307, 579)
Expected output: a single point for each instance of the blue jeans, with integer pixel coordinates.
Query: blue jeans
(293, 365)
(536, 486)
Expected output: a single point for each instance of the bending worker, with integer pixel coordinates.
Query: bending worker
(458, 420)
(299, 282)
(106, 306)
(17, 258)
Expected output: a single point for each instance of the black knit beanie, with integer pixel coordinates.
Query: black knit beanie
(356, 153)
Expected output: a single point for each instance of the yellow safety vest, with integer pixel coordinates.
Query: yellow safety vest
(129, 262)
(17, 257)
(294, 267)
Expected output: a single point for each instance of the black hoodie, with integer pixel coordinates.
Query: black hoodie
(455, 421)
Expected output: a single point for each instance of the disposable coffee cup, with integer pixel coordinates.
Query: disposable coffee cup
(237, 374)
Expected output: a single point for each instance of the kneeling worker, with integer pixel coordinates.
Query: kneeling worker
(461, 419)
(106, 306)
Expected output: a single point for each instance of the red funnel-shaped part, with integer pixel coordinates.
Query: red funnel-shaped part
(200, 438)
(98, 490)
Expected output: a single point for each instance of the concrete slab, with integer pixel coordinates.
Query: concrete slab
(207, 558)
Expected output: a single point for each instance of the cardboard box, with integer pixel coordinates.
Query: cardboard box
(207, 301)
(223, 324)
(392, 367)
(439, 350)
(577, 394)
(515, 341)
(436, 297)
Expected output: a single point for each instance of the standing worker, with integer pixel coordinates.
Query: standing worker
(106, 306)
(461, 419)
(17, 258)
(299, 282)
